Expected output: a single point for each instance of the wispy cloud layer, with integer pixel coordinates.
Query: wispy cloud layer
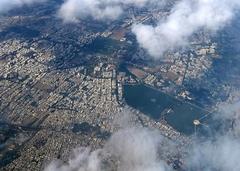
(139, 149)
(132, 148)
(136, 149)
(73, 10)
(223, 150)
(186, 18)
(6, 5)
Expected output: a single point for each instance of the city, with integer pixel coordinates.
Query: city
(64, 85)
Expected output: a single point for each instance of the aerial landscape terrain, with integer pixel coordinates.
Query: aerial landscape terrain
(119, 85)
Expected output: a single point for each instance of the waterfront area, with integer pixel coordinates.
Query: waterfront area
(160, 106)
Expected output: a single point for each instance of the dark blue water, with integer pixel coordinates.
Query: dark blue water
(153, 103)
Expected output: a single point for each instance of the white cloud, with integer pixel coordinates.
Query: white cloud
(223, 151)
(220, 155)
(6, 5)
(73, 10)
(186, 17)
(136, 149)
(133, 148)
(82, 160)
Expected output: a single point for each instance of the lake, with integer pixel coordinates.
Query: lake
(179, 114)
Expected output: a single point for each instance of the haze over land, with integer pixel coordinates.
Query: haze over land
(6, 5)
